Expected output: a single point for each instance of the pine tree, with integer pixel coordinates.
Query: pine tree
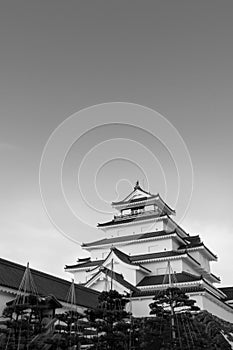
(175, 326)
(110, 321)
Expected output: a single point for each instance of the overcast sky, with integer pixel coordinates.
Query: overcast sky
(58, 57)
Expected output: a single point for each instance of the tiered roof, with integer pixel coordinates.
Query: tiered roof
(228, 291)
(163, 279)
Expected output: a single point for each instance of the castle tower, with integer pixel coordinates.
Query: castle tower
(133, 258)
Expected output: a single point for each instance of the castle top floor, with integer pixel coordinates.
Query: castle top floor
(139, 204)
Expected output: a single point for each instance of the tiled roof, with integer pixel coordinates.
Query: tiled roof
(85, 264)
(137, 199)
(191, 242)
(134, 237)
(126, 258)
(140, 217)
(196, 245)
(150, 256)
(122, 256)
(154, 196)
(228, 291)
(163, 279)
(11, 275)
(191, 289)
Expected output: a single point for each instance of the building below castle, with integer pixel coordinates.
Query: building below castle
(141, 242)
(11, 275)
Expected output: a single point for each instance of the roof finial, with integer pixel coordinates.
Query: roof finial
(137, 185)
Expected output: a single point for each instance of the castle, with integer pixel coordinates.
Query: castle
(141, 242)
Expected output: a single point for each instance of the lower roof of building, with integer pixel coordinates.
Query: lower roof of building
(181, 277)
(11, 275)
(228, 291)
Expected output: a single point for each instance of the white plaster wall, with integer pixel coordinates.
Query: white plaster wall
(217, 310)
(4, 298)
(198, 298)
(140, 306)
(80, 276)
(160, 267)
(99, 253)
(175, 244)
(139, 276)
(129, 274)
(134, 227)
(200, 257)
(187, 267)
(154, 246)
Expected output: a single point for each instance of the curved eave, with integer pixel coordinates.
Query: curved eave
(214, 278)
(201, 246)
(127, 199)
(210, 254)
(86, 268)
(124, 262)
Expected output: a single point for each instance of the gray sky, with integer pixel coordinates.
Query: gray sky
(58, 57)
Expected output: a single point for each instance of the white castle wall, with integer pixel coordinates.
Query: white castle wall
(80, 276)
(188, 267)
(201, 258)
(160, 267)
(134, 227)
(217, 310)
(128, 273)
(4, 298)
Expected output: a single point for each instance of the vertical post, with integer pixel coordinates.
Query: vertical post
(131, 328)
(111, 274)
(171, 304)
(106, 280)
